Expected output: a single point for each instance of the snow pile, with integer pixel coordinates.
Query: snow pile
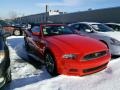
(20, 68)
(108, 79)
(16, 47)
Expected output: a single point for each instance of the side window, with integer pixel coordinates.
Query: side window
(36, 29)
(85, 28)
(115, 27)
(76, 26)
(111, 26)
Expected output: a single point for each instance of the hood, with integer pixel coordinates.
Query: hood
(75, 44)
(115, 35)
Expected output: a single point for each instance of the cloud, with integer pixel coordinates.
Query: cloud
(70, 3)
(63, 3)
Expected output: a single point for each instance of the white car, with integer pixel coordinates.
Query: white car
(100, 32)
(115, 26)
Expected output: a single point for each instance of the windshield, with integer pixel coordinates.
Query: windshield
(56, 30)
(101, 28)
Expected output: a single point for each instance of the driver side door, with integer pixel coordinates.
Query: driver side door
(38, 41)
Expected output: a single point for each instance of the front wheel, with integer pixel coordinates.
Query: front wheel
(50, 64)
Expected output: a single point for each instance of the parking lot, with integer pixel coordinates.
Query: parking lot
(27, 72)
(60, 45)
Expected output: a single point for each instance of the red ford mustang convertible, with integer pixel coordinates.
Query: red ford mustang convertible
(64, 52)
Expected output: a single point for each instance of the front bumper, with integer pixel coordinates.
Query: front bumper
(81, 68)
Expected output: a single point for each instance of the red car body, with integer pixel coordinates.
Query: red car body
(73, 54)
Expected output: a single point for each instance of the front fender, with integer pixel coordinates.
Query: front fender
(57, 52)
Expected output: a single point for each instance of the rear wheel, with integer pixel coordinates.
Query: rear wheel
(50, 64)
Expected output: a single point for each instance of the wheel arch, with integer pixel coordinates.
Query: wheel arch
(48, 50)
(105, 43)
(57, 55)
(56, 72)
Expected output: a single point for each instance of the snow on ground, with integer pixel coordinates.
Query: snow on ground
(23, 73)
(19, 67)
(108, 79)
(27, 77)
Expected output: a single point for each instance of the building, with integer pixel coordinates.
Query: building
(98, 15)
(37, 18)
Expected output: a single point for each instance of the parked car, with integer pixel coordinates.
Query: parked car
(64, 52)
(114, 26)
(16, 30)
(2, 22)
(100, 32)
(5, 72)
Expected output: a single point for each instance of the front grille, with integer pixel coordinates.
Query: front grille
(95, 55)
(95, 68)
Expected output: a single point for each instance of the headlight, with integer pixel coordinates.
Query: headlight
(2, 56)
(115, 42)
(70, 56)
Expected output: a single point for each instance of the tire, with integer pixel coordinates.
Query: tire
(17, 32)
(50, 64)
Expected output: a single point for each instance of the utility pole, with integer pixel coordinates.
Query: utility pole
(46, 16)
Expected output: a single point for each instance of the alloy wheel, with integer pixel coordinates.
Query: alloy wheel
(50, 66)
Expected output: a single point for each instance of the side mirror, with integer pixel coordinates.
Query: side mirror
(6, 34)
(88, 30)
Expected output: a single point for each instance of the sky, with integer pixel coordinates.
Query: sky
(28, 7)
